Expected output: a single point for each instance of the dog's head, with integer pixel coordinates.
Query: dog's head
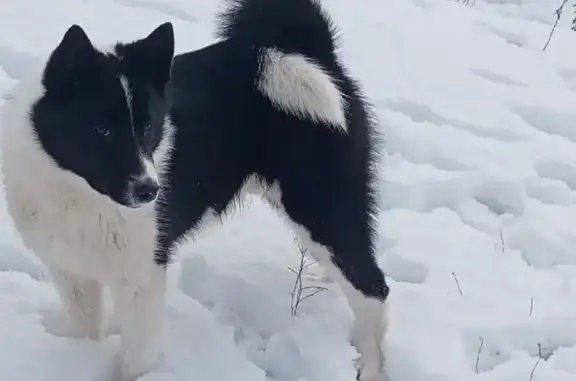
(102, 114)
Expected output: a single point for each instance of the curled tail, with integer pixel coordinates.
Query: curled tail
(296, 42)
(290, 25)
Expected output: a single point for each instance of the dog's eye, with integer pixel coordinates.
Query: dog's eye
(102, 130)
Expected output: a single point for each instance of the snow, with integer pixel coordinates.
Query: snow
(477, 230)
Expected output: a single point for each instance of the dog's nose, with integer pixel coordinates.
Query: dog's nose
(144, 190)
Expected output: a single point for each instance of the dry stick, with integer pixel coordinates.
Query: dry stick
(537, 362)
(558, 14)
(457, 283)
(317, 289)
(298, 289)
(468, 2)
(531, 306)
(478, 355)
(574, 19)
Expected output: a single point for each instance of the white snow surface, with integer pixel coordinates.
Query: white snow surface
(477, 231)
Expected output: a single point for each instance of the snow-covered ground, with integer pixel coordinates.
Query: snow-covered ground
(478, 231)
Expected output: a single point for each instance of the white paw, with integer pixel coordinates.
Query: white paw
(131, 367)
(120, 370)
(382, 376)
(370, 371)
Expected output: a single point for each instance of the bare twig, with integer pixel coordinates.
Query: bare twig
(502, 243)
(299, 292)
(574, 18)
(457, 283)
(558, 14)
(537, 362)
(316, 290)
(467, 2)
(531, 306)
(478, 355)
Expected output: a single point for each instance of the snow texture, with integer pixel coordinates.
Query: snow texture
(478, 227)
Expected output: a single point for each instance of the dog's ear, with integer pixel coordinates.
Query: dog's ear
(160, 45)
(151, 57)
(68, 61)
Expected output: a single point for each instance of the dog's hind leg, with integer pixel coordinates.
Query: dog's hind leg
(363, 285)
(83, 301)
(337, 233)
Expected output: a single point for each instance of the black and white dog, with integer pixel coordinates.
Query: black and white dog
(111, 157)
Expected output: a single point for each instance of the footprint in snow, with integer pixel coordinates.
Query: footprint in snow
(495, 77)
(508, 36)
(557, 171)
(421, 113)
(569, 77)
(549, 121)
(404, 270)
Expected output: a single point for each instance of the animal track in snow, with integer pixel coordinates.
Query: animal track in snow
(550, 334)
(550, 191)
(548, 121)
(510, 37)
(569, 76)
(495, 77)
(485, 353)
(420, 113)
(557, 171)
(164, 8)
(404, 270)
(501, 197)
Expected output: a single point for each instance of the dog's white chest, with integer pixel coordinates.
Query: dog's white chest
(96, 240)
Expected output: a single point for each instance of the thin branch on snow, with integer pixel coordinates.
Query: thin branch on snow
(574, 17)
(299, 292)
(558, 14)
(531, 306)
(537, 362)
(502, 243)
(478, 355)
(467, 2)
(457, 283)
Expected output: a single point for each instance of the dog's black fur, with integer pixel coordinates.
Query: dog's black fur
(226, 130)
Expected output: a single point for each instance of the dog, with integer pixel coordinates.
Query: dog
(113, 156)
(81, 161)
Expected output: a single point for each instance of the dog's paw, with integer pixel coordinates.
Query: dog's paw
(118, 371)
(366, 371)
(122, 370)
(382, 376)
(362, 375)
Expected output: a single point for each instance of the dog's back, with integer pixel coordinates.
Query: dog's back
(273, 99)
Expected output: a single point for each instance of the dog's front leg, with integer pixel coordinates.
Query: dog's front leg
(82, 299)
(140, 304)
